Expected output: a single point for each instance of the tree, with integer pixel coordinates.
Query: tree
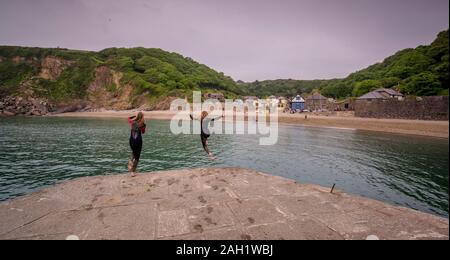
(423, 84)
(365, 86)
(338, 90)
(390, 82)
(409, 63)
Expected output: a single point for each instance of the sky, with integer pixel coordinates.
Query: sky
(246, 39)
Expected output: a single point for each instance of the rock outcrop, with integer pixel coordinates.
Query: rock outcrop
(72, 106)
(18, 59)
(106, 91)
(52, 67)
(30, 106)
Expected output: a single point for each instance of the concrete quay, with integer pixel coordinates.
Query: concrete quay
(207, 204)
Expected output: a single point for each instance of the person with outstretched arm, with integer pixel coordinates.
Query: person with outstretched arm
(204, 122)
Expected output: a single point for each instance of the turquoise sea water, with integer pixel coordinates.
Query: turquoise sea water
(402, 170)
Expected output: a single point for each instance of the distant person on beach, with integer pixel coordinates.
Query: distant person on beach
(137, 124)
(204, 122)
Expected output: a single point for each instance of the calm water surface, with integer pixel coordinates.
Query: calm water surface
(401, 170)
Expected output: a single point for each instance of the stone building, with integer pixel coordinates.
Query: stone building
(381, 94)
(316, 102)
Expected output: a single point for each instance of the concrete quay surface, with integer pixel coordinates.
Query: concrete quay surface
(211, 204)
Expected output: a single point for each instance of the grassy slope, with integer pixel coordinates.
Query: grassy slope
(150, 71)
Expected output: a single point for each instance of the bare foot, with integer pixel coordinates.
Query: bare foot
(133, 174)
(211, 157)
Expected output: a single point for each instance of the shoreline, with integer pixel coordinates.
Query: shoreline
(437, 129)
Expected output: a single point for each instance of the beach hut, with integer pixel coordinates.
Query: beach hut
(298, 103)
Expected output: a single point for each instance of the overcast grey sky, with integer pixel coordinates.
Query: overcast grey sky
(246, 39)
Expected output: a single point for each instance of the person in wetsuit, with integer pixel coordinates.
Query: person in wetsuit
(204, 135)
(137, 125)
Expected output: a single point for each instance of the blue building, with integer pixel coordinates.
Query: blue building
(298, 103)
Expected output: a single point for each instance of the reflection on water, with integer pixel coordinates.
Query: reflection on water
(401, 170)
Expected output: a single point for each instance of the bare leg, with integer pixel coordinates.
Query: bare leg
(132, 165)
(205, 146)
(133, 173)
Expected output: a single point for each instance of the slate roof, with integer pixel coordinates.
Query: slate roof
(316, 96)
(381, 93)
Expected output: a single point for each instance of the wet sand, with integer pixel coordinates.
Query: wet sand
(439, 129)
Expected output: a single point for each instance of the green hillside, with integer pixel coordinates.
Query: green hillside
(153, 72)
(422, 71)
(282, 87)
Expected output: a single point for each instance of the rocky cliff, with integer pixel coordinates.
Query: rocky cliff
(36, 81)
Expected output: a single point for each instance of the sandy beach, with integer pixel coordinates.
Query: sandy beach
(438, 129)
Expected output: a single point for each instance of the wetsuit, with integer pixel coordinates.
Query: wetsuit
(204, 134)
(135, 143)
